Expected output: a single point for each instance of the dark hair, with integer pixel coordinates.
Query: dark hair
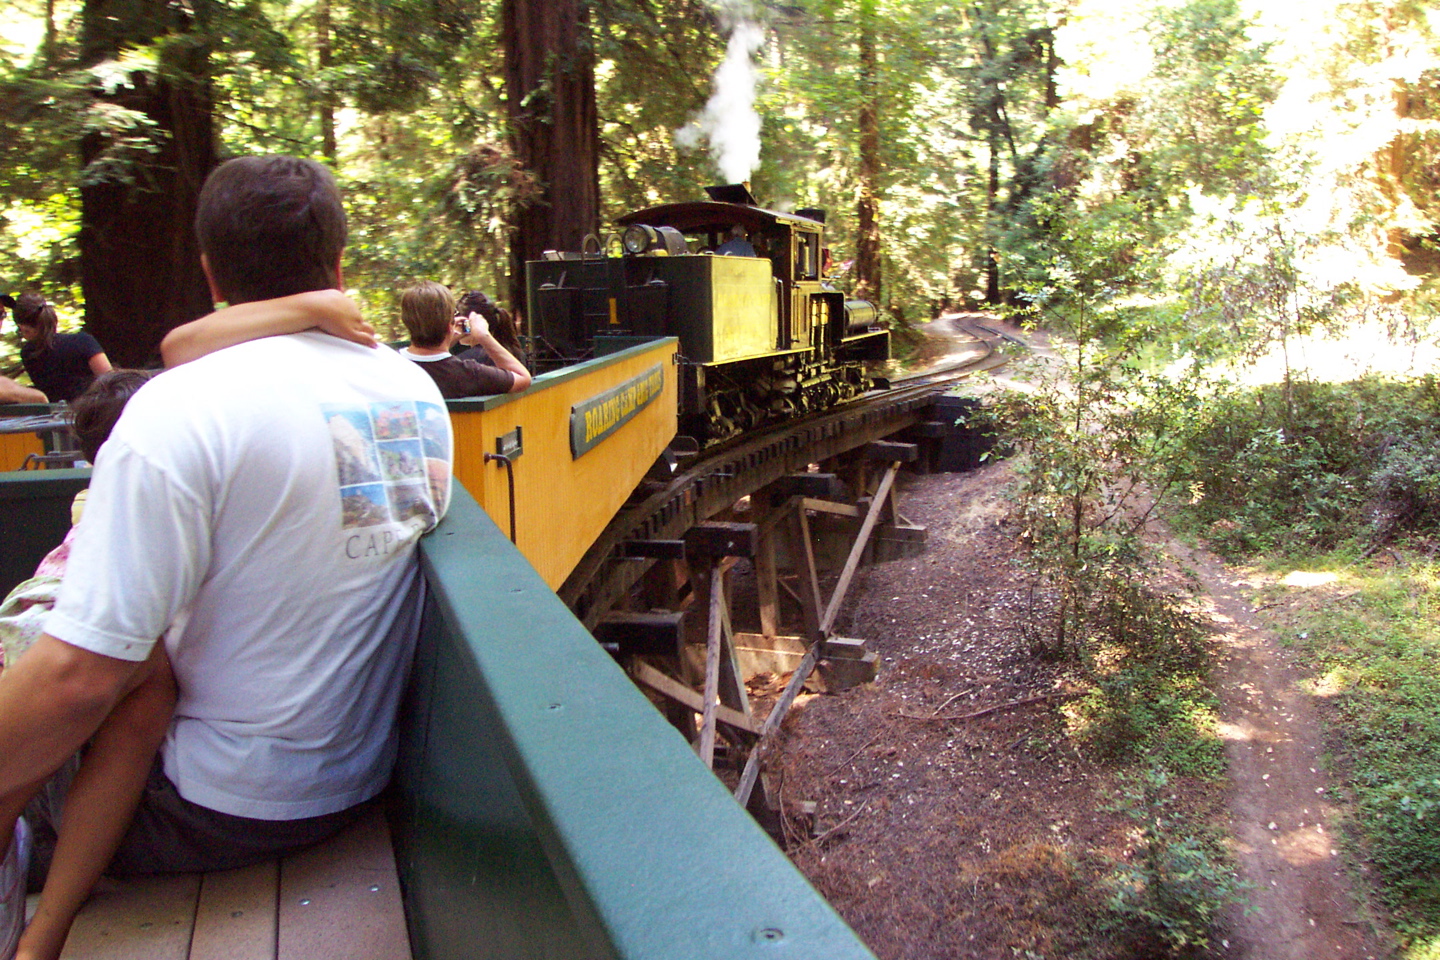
(270, 226)
(427, 310)
(502, 324)
(95, 412)
(34, 310)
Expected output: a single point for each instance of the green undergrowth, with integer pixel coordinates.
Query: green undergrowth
(1343, 480)
(1150, 711)
(1317, 467)
(1370, 637)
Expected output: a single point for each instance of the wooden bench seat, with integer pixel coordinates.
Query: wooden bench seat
(338, 900)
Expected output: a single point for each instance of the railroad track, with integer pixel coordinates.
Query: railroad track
(722, 475)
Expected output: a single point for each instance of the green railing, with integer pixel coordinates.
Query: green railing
(548, 810)
(544, 807)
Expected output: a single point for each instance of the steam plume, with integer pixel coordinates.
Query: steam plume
(729, 121)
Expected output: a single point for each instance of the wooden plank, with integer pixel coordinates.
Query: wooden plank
(886, 450)
(654, 633)
(732, 682)
(828, 506)
(681, 694)
(342, 898)
(804, 554)
(772, 723)
(832, 609)
(808, 485)
(721, 539)
(235, 918)
(147, 918)
(708, 702)
(767, 593)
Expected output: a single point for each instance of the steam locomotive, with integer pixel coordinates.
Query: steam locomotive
(763, 337)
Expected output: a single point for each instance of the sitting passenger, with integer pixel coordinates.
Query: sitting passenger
(107, 784)
(738, 245)
(428, 312)
(502, 325)
(291, 662)
(61, 365)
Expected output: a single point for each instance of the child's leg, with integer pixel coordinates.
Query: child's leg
(100, 804)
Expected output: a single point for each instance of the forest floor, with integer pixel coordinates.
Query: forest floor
(954, 816)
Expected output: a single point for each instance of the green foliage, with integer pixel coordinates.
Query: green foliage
(1095, 421)
(1404, 820)
(1169, 896)
(1338, 463)
(1371, 642)
(1091, 428)
(1150, 696)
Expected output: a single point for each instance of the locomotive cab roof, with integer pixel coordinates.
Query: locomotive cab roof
(702, 215)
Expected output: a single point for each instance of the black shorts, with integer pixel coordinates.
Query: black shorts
(169, 834)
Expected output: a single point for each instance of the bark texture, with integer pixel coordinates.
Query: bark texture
(550, 92)
(139, 261)
(867, 213)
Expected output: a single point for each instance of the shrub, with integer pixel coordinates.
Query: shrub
(1271, 474)
(1403, 820)
(1168, 897)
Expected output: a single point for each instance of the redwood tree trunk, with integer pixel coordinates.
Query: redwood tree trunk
(867, 219)
(550, 94)
(139, 261)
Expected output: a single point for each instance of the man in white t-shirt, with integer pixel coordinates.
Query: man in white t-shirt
(260, 509)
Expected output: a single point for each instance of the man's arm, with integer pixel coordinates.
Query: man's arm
(330, 310)
(504, 360)
(51, 700)
(12, 392)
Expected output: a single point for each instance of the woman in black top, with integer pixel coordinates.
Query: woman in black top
(61, 365)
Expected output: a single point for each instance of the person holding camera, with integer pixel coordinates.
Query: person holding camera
(502, 325)
(428, 312)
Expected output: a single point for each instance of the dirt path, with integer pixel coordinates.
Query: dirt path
(944, 829)
(1301, 903)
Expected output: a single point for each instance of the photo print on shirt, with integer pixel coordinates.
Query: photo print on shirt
(392, 460)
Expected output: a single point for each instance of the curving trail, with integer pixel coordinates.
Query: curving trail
(1301, 904)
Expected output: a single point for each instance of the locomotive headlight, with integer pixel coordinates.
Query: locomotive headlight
(639, 238)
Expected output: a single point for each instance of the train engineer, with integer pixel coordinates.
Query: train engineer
(260, 509)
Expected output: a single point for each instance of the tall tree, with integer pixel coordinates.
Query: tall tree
(867, 207)
(550, 100)
(140, 264)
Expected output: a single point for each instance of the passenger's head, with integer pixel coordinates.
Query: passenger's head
(269, 227)
(35, 318)
(95, 412)
(428, 311)
(476, 301)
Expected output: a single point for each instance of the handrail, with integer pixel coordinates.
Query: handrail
(547, 807)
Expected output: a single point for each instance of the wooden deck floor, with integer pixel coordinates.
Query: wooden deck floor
(338, 900)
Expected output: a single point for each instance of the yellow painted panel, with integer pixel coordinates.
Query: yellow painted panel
(562, 504)
(744, 317)
(15, 447)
